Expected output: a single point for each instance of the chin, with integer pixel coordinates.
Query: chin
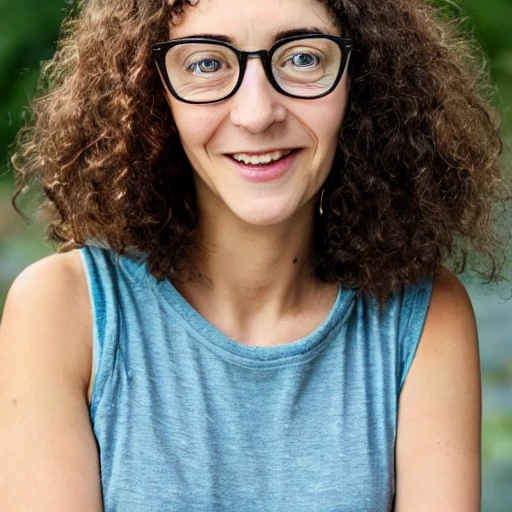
(259, 220)
(263, 215)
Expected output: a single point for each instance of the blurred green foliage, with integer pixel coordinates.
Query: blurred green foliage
(28, 31)
(497, 441)
(491, 22)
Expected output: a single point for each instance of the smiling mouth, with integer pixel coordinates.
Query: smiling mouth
(262, 159)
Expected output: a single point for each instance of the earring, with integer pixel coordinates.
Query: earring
(320, 209)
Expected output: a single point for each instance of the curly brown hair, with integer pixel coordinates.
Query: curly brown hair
(415, 174)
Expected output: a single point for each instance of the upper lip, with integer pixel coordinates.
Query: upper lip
(260, 152)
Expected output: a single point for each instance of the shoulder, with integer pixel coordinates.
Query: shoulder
(438, 438)
(448, 341)
(45, 359)
(50, 299)
(56, 271)
(450, 309)
(55, 286)
(450, 326)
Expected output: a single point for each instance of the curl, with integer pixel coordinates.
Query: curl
(414, 180)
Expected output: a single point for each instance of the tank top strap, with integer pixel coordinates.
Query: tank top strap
(101, 270)
(415, 300)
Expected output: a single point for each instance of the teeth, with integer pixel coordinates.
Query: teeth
(260, 159)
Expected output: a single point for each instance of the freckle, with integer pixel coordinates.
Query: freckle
(296, 260)
(15, 402)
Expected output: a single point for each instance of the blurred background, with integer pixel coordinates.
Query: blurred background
(28, 31)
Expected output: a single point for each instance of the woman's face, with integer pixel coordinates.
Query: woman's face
(258, 120)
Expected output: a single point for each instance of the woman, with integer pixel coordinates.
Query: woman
(252, 203)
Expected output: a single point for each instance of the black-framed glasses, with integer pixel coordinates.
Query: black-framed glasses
(202, 70)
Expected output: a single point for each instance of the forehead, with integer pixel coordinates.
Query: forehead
(250, 22)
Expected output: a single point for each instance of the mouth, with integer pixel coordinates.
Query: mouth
(261, 159)
(263, 166)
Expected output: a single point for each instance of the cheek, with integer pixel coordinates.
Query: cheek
(324, 117)
(196, 124)
(329, 125)
(334, 114)
(325, 125)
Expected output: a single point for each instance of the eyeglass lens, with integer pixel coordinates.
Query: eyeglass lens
(207, 72)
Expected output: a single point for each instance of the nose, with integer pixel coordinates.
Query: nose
(256, 105)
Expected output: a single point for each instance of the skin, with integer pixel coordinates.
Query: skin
(255, 231)
(48, 456)
(258, 118)
(438, 454)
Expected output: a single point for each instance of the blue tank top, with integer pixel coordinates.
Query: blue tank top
(187, 419)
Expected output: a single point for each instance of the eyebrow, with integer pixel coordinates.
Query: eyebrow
(279, 35)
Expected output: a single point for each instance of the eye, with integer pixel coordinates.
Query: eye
(303, 60)
(205, 66)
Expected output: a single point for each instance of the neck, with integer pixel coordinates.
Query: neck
(256, 276)
(257, 262)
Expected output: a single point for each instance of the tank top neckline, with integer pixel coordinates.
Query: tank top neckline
(291, 352)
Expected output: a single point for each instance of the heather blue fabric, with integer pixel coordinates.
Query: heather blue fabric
(187, 419)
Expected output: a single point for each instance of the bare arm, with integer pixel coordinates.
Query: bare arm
(48, 454)
(439, 421)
